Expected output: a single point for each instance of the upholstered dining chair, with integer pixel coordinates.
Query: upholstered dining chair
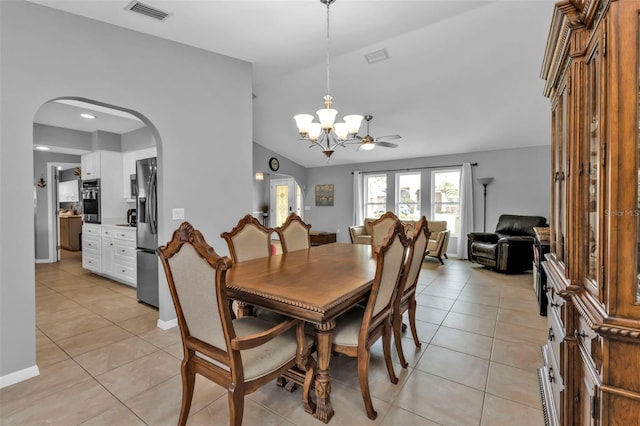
(359, 328)
(240, 354)
(248, 240)
(406, 296)
(379, 228)
(294, 234)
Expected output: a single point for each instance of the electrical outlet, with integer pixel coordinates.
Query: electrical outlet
(338, 231)
(177, 214)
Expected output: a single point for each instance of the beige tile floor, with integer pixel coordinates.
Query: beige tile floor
(103, 361)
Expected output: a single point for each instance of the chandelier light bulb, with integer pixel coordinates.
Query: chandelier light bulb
(303, 121)
(327, 117)
(342, 131)
(314, 131)
(353, 123)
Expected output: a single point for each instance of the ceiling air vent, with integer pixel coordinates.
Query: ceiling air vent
(145, 9)
(377, 56)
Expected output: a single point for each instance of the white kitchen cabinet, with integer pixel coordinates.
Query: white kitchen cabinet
(91, 248)
(107, 254)
(124, 261)
(119, 253)
(68, 191)
(91, 165)
(106, 166)
(110, 250)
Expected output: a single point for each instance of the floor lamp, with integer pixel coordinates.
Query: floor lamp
(484, 182)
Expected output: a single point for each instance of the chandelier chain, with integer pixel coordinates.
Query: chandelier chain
(328, 46)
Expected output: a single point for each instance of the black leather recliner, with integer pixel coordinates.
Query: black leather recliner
(510, 248)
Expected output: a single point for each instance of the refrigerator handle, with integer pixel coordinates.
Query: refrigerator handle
(152, 205)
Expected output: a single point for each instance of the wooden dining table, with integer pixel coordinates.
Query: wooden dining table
(314, 285)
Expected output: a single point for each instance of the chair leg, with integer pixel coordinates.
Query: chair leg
(445, 256)
(386, 348)
(440, 259)
(188, 382)
(363, 377)
(412, 320)
(235, 395)
(397, 324)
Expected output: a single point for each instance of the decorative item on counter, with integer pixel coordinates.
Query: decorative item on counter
(265, 209)
(41, 182)
(77, 172)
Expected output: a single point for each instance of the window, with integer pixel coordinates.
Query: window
(408, 196)
(445, 198)
(375, 193)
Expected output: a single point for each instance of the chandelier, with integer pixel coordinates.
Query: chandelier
(327, 135)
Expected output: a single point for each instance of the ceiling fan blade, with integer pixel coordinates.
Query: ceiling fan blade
(387, 144)
(389, 137)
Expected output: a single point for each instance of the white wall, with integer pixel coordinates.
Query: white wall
(520, 186)
(197, 103)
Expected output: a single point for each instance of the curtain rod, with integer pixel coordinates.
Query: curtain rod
(418, 168)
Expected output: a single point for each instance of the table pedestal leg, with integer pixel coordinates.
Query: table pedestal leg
(244, 309)
(324, 410)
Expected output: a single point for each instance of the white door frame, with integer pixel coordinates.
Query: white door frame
(53, 210)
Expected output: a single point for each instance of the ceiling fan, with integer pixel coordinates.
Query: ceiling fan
(368, 142)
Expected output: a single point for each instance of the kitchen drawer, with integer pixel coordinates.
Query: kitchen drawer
(89, 229)
(125, 251)
(91, 245)
(91, 261)
(125, 271)
(120, 232)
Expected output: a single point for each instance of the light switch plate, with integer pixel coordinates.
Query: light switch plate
(177, 214)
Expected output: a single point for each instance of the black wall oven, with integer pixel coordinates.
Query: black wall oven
(91, 200)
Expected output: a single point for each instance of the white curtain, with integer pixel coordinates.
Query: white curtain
(466, 209)
(358, 199)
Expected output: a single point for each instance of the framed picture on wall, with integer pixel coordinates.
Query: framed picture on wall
(324, 195)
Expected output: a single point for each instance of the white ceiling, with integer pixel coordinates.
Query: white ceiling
(462, 75)
(66, 113)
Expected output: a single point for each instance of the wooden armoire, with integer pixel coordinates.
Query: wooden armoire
(591, 372)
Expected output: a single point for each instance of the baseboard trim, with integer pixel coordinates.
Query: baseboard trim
(167, 325)
(19, 376)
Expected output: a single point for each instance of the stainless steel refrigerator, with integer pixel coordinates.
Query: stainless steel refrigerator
(147, 231)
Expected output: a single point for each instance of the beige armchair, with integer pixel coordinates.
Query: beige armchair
(361, 234)
(439, 240)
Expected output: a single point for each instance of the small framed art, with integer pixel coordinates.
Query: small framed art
(324, 195)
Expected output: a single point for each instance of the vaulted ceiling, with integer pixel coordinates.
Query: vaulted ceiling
(461, 76)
